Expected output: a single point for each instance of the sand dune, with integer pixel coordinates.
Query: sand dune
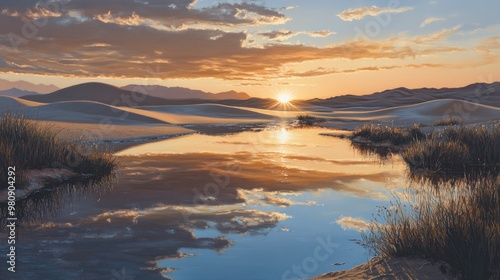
(481, 93)
(81, 111)
(352, 111)
(98, 92)
(8, 102)
(86, 112)
(426, 112)
(206, 110)
(101, 132)
(213, 113)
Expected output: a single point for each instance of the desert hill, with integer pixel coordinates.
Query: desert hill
(27, 86)
(185, 93)
(426, 112)
(15, 92)
(481, 93)
(97, 92)
(111, 95)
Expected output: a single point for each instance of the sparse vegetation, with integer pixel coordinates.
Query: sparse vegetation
(28, 145)
(309, 120)
(450, 120)
(396, 135)
(459, 226)
(457, 149)
(436, 156)
(457, 221)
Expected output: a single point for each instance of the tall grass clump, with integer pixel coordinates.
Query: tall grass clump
(460, 226)
(450, 120)
(433, 155)
(396, 135)
(309, 120)
(457, 149)
(27, 145)
(482, 142)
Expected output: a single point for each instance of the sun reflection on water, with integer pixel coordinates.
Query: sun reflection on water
(283, 135)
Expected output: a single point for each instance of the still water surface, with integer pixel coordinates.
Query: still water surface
(273, 204)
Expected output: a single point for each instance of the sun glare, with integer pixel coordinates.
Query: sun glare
(284, 97)
(283, 135)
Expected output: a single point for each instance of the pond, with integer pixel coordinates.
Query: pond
(277, 203)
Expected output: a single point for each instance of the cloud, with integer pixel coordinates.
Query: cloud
(287, 34)
(431, 20)
(490, 47)
(321, 71)
(278, 34)
(165, 54)
(99, 39)
(360, 13)
(436, 36)
(353, 223)
(168, 14)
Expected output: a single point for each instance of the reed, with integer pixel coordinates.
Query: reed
(396, 135)
(26, 145)
(459, 226)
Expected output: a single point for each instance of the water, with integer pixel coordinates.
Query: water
(273, 204)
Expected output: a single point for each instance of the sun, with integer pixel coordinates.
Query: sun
(284, 97)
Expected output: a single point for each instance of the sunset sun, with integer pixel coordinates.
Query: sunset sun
(284, 97)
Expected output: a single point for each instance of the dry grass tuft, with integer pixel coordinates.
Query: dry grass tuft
(28, 145)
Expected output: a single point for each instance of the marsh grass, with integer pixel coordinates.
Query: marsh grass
(450, 120)
(26, 145)
(309, 120)
(454, 214)
(457, 225)
(458, 149)
(382, 154)
(436, 156)
(396, 135)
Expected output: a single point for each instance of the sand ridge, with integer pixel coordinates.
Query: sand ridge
(392, 268)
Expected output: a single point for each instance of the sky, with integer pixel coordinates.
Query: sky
(313, 48)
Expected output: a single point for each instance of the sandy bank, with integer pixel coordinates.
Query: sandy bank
(37, 180)
(392, 268)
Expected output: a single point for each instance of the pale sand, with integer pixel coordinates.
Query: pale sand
(392, 268)
(82, 120)
(107, 133)
(347, 118)
(8, 102)
(427, 112)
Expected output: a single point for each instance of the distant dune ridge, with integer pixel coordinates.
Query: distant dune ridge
(185, 93)
(111, 95)
(27, 86)
(427, 111)
(481, 93)
(8, 102)
(98, 92)
(98, 105)
(15, 92)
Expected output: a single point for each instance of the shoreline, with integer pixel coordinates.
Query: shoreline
(398, 268)
(38, 180)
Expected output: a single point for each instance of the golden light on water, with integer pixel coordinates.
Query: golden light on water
(283, 135)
